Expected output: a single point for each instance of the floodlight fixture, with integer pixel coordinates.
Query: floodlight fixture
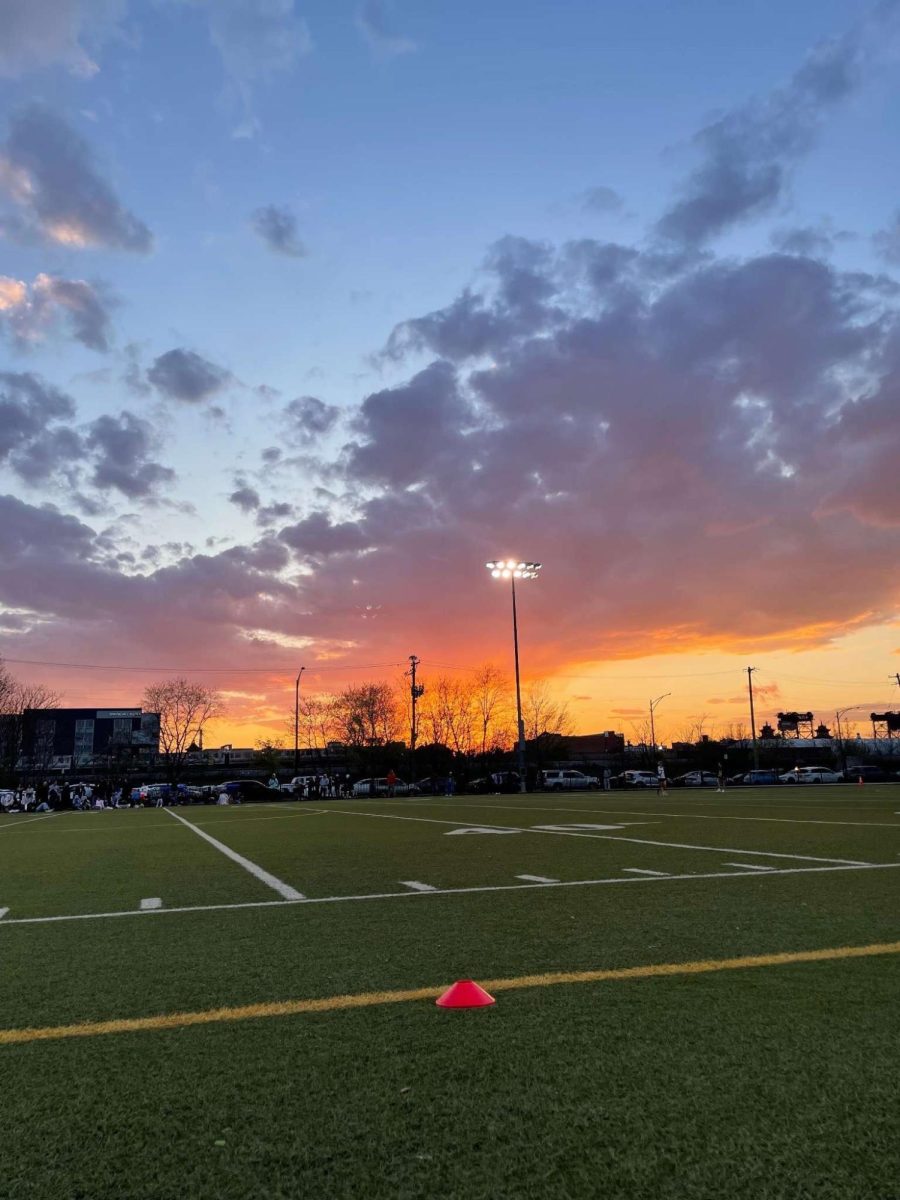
(513, 569)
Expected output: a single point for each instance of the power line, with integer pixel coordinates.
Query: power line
(273, 670)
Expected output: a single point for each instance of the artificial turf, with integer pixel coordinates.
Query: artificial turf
(776, 1082)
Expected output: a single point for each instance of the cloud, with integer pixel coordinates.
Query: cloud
(887, 242)
(31, 312)
(747, 153)
(515, 304)
(47, 172)
(185, 375)
(255, 39)
(310, 418)
(42, 33)
(807, 241)
(374, 19)
(245, 498)
(31, 438)
(278, 229)
(601, 200)
(316, 535)
(122, 446)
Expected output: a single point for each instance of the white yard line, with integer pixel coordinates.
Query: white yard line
(3, 912)
(537, 879)
(644, 871)
(466, 891)
(27, 821)
(609, 837)
(150, 902)
(749, 867)
(283, 889)
(418, 887)
(612, 812)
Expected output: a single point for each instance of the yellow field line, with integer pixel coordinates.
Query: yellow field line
(288, 1008)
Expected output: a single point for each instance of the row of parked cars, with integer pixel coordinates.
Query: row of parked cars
(759, 778)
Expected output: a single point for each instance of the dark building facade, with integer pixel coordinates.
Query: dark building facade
(60, 739)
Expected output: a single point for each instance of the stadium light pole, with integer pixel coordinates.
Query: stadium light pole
(653, 704)
(503, 568)
(297, 722)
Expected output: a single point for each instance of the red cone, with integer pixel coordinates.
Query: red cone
(465, 993)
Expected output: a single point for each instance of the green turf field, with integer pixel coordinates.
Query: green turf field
(762, 1081)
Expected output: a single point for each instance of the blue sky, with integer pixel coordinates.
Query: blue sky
(401, 141)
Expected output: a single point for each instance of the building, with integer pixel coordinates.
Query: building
(63, 739)
(595, 745)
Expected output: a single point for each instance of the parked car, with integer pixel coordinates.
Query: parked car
(634, 779)
(759, 778)
(867, 775)
(811, 775)
(697, 779)
(379, 787)
(498, 781)
(569, 781)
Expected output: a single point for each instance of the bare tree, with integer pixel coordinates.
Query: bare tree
(184, 708)
(543, 715)
(20, 704)
(366, 715)
(493, 709)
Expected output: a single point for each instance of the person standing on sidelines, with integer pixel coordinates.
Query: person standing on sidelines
(662, 785)
(720, 778)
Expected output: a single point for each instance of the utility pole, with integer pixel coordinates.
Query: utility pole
(415, 691)
(297, 722)
(750, 671)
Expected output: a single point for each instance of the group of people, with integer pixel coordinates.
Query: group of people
(315, 787)
(53, 797)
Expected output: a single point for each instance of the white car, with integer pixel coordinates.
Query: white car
(565, 781)
(811, 775)
(637, 779)
(364, 787)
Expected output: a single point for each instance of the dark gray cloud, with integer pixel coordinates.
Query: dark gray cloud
(405, 431)
(185, 375)
(29, 406)
(48, 174)
(309, 418)
(277, 226)
(272, 514)
(122, 447)
(245, 498)
(375, 21)
(32, 312)
(748, 152)
(316, 535)
(516, 303)
(602, 200)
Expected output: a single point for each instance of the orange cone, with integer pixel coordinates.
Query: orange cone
(465, 993)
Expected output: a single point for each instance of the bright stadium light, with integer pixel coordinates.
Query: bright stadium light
(512, 570)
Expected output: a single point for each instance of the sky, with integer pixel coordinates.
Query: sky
(309, 308)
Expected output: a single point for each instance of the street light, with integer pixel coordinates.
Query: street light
(837, 718)
(512, 569)
(653, 704)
